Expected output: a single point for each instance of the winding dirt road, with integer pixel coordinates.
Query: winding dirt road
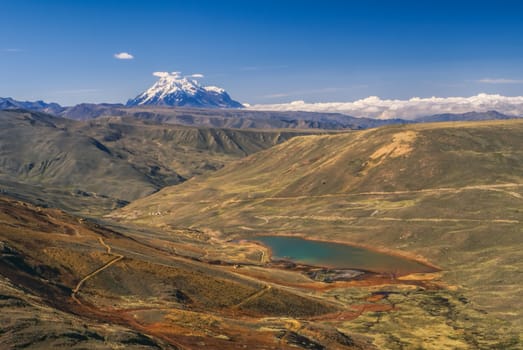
(117, 258)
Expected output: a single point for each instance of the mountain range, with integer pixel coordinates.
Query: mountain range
(174, 99)
(209, 117)
(232, 117)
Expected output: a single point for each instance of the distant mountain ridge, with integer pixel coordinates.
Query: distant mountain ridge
(469, 116)
(209, 117)
(173, 90)
(234, 117)
(41, 106)
(86, 111)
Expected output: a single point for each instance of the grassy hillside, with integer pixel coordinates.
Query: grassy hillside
(69, 283)
(449, 193)
(106, 163)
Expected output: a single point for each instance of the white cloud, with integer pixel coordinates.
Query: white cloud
(167, 74)
(12, 50)
(196, 75)
(500, 81)
(375, 107)
(123, 56)
(161, 74)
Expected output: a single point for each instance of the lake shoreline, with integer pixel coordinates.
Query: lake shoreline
(271, 259)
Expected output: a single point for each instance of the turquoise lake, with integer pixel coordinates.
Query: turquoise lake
(336, 255)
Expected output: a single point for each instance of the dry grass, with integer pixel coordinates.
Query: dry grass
(449, 193)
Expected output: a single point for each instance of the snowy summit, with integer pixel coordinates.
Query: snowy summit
(172, 89)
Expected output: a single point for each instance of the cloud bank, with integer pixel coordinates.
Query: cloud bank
(177, 75)
(375, 107)
(123, 56)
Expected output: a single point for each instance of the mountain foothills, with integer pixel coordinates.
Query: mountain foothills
(111, 161)
(136, 227)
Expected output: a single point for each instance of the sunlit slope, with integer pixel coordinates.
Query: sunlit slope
(391, 159)
(451, 193)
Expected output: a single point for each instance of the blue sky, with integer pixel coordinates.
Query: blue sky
(262, 51)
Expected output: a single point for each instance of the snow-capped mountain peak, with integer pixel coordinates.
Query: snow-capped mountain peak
(172, 89)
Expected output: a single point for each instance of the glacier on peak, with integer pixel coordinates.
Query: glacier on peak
(172, 89)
